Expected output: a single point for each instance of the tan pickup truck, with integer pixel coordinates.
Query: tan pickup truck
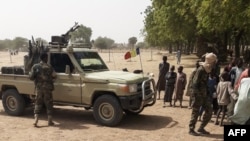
(83, 80)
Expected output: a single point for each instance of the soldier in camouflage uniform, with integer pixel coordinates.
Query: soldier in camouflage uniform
(200, 96)
(43, 75)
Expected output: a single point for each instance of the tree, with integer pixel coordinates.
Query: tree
(103, 42)
(225, 19)
(82, 35)
(142, 45)
(150, 28)
(132, 41)
(182, 22)
(20, 42)
(6, 44)
(169, 22)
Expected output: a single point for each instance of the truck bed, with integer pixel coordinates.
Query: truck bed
(20, 81)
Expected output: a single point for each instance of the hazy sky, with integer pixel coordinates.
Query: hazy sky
(115, 19)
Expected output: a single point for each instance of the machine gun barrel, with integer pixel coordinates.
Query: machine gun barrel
(66, 36)
(72, 29)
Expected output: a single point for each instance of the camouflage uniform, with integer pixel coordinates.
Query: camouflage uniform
(43, 74)
(200, 98)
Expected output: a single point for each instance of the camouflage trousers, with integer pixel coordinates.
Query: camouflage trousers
(198, 101)
(43, 96)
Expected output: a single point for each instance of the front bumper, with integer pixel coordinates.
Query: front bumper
(139, 101)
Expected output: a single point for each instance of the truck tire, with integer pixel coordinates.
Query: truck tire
(13, 102)
(131, 112)
(107, 110)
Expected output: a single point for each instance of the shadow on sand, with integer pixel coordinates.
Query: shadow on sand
(77, 118)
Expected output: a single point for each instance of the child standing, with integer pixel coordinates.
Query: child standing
(224, 90)
(170, 85)
(180, 85)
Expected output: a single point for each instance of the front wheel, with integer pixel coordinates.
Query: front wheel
(107, 110)
(13, 102)
(133, 112)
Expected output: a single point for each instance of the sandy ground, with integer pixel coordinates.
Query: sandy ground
(74, 124)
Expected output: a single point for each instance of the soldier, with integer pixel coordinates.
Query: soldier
(189, 87)
(200, 96)
(43, 75)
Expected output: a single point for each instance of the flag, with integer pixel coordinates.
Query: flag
(137, 50)
(127, 55)
(133, 53)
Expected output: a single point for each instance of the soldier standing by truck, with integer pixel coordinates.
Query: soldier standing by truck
(200, 96)
(43, 75)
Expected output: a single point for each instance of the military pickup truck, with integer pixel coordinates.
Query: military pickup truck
(83, 80)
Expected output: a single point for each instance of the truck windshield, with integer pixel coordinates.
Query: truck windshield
(90, 61)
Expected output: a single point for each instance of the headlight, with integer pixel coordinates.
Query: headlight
(129, 88)
(133, 88)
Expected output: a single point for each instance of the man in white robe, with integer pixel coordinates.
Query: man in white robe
(241, 110)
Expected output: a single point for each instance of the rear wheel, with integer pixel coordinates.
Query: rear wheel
(13, 102)
(107, 110)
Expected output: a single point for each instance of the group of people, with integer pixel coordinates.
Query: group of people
(228, 91)
(210, 91)
(172, 83)
(237, 109)
(216, 92)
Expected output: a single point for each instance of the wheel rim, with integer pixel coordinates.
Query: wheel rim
(106, 111)
(11, 103)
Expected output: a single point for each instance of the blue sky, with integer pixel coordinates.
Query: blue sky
(115, 19)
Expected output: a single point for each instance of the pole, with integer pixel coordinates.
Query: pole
(141, 65)
(10, 57)
(109, 54)
(151, 54)
(113, 60)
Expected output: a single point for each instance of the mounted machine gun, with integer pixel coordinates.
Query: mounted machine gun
(64, 38)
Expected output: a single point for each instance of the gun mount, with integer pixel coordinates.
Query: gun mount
(64, 38)
(37, 47)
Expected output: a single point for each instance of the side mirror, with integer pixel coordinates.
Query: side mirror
(67, 69)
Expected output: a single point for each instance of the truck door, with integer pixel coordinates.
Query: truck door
(67, 86)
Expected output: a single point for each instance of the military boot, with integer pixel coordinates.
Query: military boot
(50, 122)
(192, 132)
(203, 131)
(36, 120)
